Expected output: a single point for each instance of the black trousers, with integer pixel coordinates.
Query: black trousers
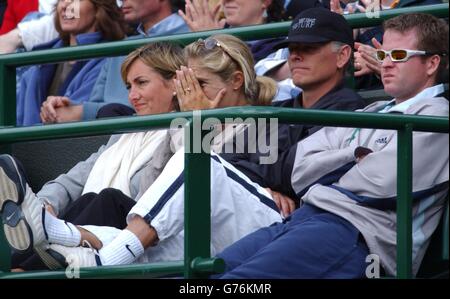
(108, 208)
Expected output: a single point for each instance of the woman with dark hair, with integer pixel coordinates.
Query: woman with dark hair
(200, 17)
(78, 23)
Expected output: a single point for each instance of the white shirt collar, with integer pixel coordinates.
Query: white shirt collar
(429, 92)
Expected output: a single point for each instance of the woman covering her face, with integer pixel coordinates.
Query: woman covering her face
(220, 73)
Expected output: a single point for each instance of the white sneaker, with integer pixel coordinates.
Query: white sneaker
(75, 257)
(22, 212)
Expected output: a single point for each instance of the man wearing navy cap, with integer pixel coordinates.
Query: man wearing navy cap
(320, 47)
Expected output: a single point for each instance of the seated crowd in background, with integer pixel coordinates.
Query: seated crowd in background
(331, 191)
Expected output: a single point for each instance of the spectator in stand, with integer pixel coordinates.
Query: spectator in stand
(200, 17)
(368, 40)
(78, 196)
(319, 57)
(275, 65)
(36, 28)
(98, 21)
(346, 177)
(154, 18)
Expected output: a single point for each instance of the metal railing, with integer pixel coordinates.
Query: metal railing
(197, 262)
(196, 240)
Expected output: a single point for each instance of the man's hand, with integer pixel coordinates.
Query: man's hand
(285, 204)
(361, 152)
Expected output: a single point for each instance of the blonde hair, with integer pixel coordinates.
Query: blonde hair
(233, 55)
(163, 57)
(109, 18)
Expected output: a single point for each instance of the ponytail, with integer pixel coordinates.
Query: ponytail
(267, 89)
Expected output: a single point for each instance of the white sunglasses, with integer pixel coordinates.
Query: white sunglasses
(401, 55)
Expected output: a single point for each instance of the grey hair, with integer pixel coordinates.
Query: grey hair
(336, 47)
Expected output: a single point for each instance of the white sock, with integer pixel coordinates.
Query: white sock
(123, 250)
(61, 232)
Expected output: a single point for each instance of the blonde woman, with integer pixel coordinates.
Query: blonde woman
(99, 21)
(95, 191)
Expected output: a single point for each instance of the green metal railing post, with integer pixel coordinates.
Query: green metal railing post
(197, 213)
(7, 118)
(404, 203)
(5, 257)
(7, 95)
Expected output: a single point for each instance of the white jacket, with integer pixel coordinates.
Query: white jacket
(365, 193)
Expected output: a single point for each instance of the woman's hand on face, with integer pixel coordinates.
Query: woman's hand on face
(199, 17)
(190, 94)
(48, 109)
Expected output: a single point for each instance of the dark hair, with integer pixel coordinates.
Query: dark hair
(109, 19)
(431, 32)
(276, 11)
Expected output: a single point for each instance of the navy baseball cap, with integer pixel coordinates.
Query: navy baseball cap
(317, 25)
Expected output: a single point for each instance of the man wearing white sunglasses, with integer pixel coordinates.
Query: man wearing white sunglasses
(412, 60)
(346, 177)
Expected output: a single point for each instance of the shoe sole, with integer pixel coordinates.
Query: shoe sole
(13, 186)
(17, 230)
